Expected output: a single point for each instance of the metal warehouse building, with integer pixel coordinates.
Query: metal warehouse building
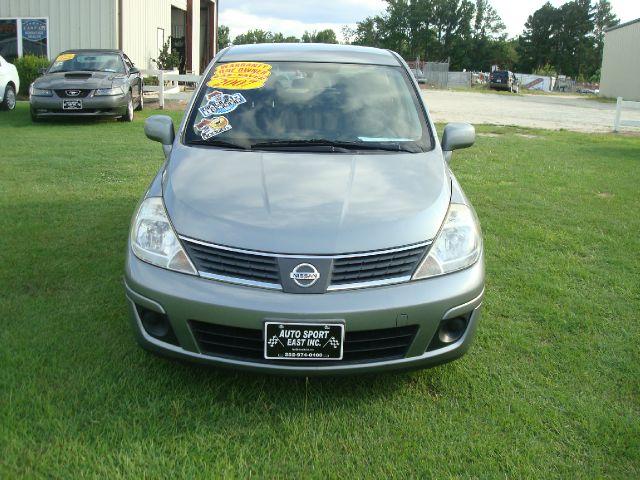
(620, 74)
(139, 27)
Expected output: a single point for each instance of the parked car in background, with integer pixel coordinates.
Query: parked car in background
(306, 226)
(588, 90)
(88, 83)
(504, 80)
(9, 85)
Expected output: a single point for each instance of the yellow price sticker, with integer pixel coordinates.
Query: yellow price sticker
(240, 75)
(66, 56)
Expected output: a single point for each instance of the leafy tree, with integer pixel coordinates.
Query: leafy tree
(568, 38)
(547, 71)
(254, 36)
(223, 37)
(394, 27)
(575, 41)
(487, 22)
(366, 33)
(323, 36)
(167, 59)
(603, 18)
(280, 38)
(469, 33)
(536, 44)
(489, 42)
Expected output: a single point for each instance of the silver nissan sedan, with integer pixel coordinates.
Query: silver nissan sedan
(306, 220)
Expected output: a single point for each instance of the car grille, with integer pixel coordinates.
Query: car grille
(372, 268)
(227, 263)
(63, 93)
(247, 343)
(348, 270)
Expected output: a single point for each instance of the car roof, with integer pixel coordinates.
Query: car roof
(309, 52)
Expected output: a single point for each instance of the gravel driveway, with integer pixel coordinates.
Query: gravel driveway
(538, 111)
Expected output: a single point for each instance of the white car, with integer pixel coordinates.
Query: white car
(9, 85)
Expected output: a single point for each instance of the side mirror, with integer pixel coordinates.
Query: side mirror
(42, 71)
(134, 70)
(159, 128)
(456, 136)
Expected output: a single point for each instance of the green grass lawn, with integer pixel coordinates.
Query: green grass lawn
(551, 387)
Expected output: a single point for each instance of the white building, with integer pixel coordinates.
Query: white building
(620, 74)
(139, 27)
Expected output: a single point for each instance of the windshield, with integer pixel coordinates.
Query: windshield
(92, 62)
(298, 104)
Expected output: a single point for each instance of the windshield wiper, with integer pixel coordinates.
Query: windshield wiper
(219, 143)
(337, 145)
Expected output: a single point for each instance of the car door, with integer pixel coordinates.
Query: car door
(4, 77)
(134, 78)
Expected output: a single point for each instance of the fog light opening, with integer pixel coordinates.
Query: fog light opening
(451, 330)
(157, 325)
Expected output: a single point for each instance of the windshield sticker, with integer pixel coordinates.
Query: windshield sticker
(210, 127)
(240, 75)
(65, 57)
(220, 103)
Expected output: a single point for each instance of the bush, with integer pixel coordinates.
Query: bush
(167, 60)
(547, 71)
(28, 67)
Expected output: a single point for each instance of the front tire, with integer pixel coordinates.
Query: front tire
(34, 117)
(141, 102)
(9, 100)
(128, 116)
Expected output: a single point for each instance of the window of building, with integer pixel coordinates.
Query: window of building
(22, 36)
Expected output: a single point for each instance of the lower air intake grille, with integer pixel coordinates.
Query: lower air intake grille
(247, 344)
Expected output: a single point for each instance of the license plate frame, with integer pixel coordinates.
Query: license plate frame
(281, 342)
(74, 104)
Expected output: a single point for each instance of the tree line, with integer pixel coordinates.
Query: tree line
(470, 35)
(265, 36)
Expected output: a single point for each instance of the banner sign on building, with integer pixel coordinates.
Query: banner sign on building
(34, 30)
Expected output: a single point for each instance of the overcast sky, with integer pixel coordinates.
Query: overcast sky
(293, 17)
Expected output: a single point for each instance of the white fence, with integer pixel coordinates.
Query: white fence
(618, 122)
(172, 91)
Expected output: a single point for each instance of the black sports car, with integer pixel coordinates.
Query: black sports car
(88, 83)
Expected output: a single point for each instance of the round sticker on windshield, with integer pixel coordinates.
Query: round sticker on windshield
(219, 103)
(210, 127)
(240, 75)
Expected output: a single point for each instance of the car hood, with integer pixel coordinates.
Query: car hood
(306, 203)
(85, 80)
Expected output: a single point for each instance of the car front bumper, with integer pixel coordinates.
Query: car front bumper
(101, 106)
(185, 298)
(500, 86)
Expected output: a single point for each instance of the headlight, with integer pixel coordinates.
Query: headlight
(154, 241)
(457, 246)
(40, 92)
(109, 91)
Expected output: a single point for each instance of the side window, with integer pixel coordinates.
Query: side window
(128, 62)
